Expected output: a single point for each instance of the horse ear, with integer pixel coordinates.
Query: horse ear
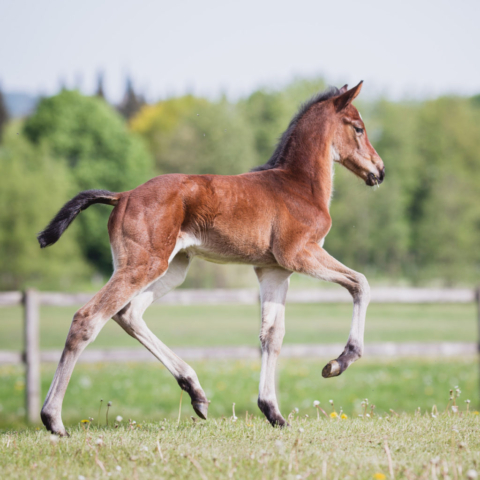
(343, 100)
(343, 89)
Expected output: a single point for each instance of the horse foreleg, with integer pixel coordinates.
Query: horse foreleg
(316, 262)
(273, 291)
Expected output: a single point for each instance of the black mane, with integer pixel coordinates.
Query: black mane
(277, 157)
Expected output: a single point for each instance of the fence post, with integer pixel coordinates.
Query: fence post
(32, 356)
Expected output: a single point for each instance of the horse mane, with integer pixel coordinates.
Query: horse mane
(278, 155)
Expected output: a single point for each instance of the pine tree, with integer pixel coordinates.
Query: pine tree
(100, 91)
(131, 102)
(3, 113)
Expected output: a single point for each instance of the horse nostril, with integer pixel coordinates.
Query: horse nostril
(382, 174)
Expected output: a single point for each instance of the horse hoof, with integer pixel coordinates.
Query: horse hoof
(331, 369)
(201, 409)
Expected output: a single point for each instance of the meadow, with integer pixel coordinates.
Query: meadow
(414, 446)
(152, 441)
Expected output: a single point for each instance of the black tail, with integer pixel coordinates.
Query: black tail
(69, 212)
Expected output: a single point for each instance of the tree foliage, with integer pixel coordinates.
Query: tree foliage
(35, 186)
(3, 113)
(99, 150)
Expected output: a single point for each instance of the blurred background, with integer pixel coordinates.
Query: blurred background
(98, 94)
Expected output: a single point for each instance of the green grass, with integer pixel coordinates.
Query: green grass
(419, 447)
(147, 392)
(239, 325)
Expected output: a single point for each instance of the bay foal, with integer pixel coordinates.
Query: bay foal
(274, 218)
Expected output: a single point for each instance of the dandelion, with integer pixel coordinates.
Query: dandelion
(454, 408)
(301, 430)
(334, 415)
(468, 405)
(119, 418)
(296, 410)
(379, 476)
(118, 468)
(234, 417)
(109, 404)
(475, 412)
(316, 403)
(472, 474)
(99, 442)
(81, 477)
(85, 421)
(343, 416)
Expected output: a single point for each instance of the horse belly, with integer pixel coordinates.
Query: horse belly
(216, 248)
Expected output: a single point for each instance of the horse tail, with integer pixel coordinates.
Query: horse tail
(69, 212)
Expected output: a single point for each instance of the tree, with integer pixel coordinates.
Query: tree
(37, 185)
(446, 213)
(193, 135)
(3, 114)
(94, 142)
(100, 90)
(131, 102)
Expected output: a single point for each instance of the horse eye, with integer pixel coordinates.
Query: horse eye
(358, 130)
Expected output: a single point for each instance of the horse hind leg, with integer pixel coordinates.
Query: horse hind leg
(130, 319)
(86, 325)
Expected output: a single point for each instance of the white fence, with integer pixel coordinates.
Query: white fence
(32, 357)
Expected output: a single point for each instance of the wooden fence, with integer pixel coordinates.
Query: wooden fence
(32, 356)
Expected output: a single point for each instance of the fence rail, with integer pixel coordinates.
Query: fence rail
(250, 296)
(32, 357)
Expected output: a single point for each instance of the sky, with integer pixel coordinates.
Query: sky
(420, 48)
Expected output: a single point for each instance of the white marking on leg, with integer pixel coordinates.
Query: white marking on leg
(273, 291)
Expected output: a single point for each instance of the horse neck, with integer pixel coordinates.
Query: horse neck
(309, 161)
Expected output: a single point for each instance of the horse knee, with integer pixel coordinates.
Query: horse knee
(360, 289)
(271, 339)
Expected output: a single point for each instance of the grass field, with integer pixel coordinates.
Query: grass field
(420, 446)
(401, 447)
(147, 392)
(239, 325)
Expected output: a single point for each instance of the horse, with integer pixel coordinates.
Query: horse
(274, 218)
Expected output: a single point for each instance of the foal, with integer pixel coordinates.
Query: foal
(274, 218)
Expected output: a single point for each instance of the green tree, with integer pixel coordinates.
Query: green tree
(34, 185)
(193, 135)
(94, 142)
(3, 114)
(446, 214)
(131, 102)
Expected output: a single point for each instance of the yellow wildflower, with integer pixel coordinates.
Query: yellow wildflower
(343, 416)
(85, 421)
(379, 476)
(334, 414)
(475, 412)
